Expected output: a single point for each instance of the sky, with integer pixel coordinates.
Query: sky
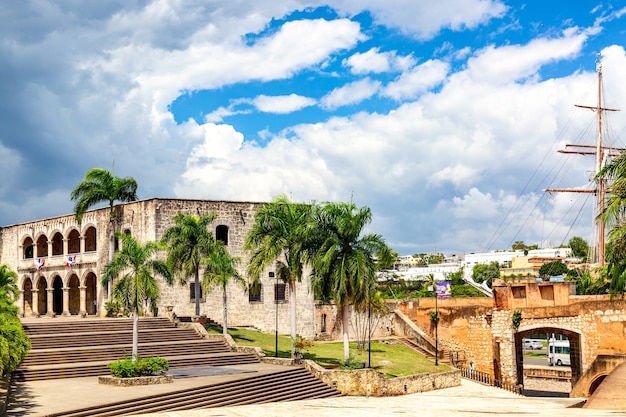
(444, 118)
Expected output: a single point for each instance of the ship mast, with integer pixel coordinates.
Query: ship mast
(601, 153)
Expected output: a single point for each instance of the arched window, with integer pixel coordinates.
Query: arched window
(29, 250)
(73, 242)
(57, 244)
(90, 239)
(221, 233)
(42, 246)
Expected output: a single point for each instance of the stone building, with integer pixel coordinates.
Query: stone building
(59, 264)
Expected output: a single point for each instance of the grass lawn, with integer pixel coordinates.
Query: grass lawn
(389, 358)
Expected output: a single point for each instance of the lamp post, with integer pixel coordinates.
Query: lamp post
(271, 274)
(369, 330)
(433, 288)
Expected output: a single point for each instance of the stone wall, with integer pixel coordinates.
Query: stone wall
(369, 382)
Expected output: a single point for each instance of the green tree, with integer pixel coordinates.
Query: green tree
(616, 261)
(613, 215)
(188, 242)
(551, 269)
(579, 247)
(486, 273)
(220, 269)
(614, 172)
(100, 185)
(8, 284)
(344, 265)
(14, 344)
(520, 245)
(588, 283)
(137, 289)
(279, 235)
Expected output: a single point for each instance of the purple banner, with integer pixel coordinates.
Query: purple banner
(442, 289)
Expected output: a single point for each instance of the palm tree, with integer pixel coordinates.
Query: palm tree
(344, 266)
(220, 269)
(278, 236)
(137, 290)
(8, 284)
(101, 185)
(189, 241)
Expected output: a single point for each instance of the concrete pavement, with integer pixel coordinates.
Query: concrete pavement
(470, 399)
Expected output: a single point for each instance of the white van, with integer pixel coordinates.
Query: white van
(558, 352)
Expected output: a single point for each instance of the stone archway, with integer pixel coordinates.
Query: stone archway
(575, 350)
(57, 295)
(91, 293)
(27, 288)
(74, 295)
(42, 295)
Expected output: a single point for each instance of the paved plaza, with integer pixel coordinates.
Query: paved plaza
(469, 399)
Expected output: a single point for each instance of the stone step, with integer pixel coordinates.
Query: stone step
(97, 368)
(60, 340)
(289, 385)
(113, 352)
(85, 325)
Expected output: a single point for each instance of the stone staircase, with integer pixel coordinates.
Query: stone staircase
(444, 355)
(289, 385)
(79, 348)
(83, 347)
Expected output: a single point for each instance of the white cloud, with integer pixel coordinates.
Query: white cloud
(423, 19)
(352, 93)
(282, 104)
(374, 61)
(514, 62)
(416, 81)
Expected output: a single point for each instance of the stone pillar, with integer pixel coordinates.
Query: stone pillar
(65, 247)
(50, 301)
(66, 301)
(81, 249)
(49, 242)
(83, 298)
(35, 302)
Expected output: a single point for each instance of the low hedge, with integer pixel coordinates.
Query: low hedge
(127, 368)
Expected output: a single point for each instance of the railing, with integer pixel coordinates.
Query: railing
(487, 379)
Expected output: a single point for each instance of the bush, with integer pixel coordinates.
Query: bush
(112, 308)
(127, 368)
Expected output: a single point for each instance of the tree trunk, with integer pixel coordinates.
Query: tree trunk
(225, 325)
(135, 334)
(111, 252)
(292, 314)
(196, 285)
(345, 312)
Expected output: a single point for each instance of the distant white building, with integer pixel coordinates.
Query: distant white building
(505, 258)
(421, 273)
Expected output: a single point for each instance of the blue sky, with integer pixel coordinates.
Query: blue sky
(443, 117)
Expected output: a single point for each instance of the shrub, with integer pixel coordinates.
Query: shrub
(112, 308)
(127, 368)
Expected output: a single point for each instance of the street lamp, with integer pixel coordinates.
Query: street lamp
(271, 274)
(434, 289)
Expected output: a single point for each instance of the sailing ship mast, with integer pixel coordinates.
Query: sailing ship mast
(601, 153)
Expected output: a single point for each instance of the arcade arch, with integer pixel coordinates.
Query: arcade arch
(57, 295)
(73, 295)
(42, 295)
(27, 288)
